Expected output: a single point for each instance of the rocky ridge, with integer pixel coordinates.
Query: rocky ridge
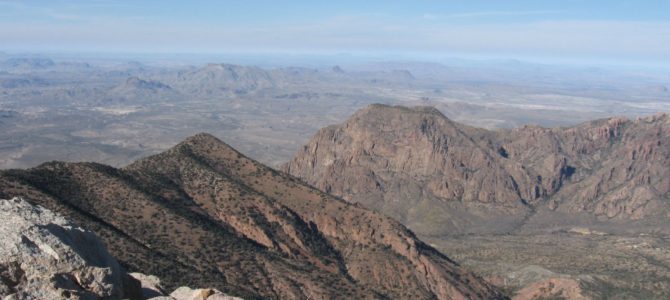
(203, 214)
(440, 177)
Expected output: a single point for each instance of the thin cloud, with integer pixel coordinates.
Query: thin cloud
(480, 14)
(71, 12)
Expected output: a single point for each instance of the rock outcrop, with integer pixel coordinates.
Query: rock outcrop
(186, 293)
(44, 256)
(151, 285)
(553, 288)
(440, 177)
(204, 215)
(153, 289)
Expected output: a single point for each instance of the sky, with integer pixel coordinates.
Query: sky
(634, 31)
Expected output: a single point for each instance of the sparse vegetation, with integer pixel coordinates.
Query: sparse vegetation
(190, 216)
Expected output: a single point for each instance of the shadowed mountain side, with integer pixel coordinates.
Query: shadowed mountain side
(202, 214)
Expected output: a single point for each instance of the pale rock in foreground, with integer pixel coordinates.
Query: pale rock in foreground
(44, 256)
(186, 293)
(152, 289)
(151, 285)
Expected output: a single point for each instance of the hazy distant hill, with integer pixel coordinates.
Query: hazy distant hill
(215, 79)
(28, 63)
(135, 90)
(13, 83)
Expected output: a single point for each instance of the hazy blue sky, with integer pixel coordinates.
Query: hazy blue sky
(634, 30)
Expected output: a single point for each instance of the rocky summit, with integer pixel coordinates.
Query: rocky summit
(202, 214)
(44, 256)
(441, 178)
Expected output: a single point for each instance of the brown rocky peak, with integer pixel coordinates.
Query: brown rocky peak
(199, 146)
(440, 177)
(412, 162)
(383, 112)
(379, 108)
(203, 141)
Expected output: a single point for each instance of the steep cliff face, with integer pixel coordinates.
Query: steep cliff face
(202, 214)
(441, 177)
(434, 175)
(615, 168)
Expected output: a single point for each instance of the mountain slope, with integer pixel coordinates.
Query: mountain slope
(203, 214)
(440, 177)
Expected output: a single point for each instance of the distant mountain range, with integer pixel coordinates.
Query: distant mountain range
(440, 177)
(203, 214)
(216, 79)
(31, 62)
